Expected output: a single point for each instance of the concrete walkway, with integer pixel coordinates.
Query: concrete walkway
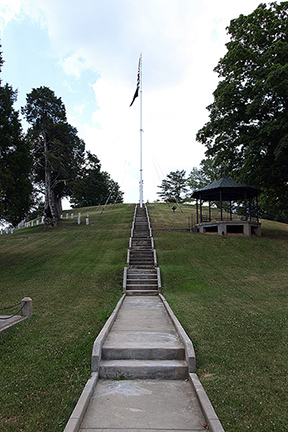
(143, 362)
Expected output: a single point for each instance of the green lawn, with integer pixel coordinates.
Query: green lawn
(230, 294)
(74, 276)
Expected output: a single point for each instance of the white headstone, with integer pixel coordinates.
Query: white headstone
(79, 220)
(87, 221)
(37, 222)
(79, 214)
(61, 216)
(72, 215)
(42, 220)
(32, 223)
(67, 215)
(12, 230)
(87, 214)
(7, 230)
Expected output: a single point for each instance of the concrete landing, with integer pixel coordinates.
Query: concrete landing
(143, 405)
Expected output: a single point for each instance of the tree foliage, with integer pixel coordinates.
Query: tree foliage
(248, 130)
(58, 152)
(94, 187)
(174, 187)
(205, 174)
(15, 160)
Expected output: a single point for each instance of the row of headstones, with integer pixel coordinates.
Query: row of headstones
(79, 217)
(31, 223)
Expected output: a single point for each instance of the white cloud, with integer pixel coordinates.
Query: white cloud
(75, 64)
(8, 10)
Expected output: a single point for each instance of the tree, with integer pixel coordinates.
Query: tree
(57, 150)
(15, 160)
(174, 186)
(207, 173)
(248, 129)
(93, 187)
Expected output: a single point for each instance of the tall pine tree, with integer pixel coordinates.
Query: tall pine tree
(58, 153)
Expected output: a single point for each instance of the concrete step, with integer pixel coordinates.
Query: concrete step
(141, 252)
(142, 233)
(112, 353)
(143, 369)
(141, 264)
(142, 282)
(141, 287)
(146, 281)
(142, 292)
(142, 272)
(138, 246)
(142, 276)
(141, 260)
(141, 257)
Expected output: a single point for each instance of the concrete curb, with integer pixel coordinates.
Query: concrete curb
(77, 415)
(206, 406)
(97, 346)
(190, 356)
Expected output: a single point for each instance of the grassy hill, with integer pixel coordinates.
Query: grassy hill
(230, 293)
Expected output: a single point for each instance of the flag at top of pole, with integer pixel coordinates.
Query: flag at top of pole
(139, 87)
(136, 94)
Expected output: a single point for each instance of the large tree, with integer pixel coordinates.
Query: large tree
(57, 150)
(15, 160)
(248, 130)
(174, 187)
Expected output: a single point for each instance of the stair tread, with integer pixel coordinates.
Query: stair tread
(141, 363)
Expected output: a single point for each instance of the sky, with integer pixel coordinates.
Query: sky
(87, 52)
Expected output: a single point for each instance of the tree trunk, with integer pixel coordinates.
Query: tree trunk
(50, 211)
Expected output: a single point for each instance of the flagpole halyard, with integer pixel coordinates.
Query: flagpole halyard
(141, 132)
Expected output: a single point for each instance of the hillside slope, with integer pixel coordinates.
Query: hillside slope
(230, 294)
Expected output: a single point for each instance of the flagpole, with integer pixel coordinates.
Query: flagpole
(141, 132)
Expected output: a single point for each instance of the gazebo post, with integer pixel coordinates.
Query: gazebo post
(250, 215)
(245, 198)
(209, 210)
(200, 209)
(221, 204)
(230, 210)
(257, 209)
(197, 211)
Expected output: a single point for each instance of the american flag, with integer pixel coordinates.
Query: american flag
(138, 82)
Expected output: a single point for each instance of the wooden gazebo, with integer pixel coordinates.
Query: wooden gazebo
(227, 190)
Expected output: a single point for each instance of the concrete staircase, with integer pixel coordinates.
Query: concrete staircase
(142, 276)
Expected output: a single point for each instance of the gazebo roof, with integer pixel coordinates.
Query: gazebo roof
(230, 190)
